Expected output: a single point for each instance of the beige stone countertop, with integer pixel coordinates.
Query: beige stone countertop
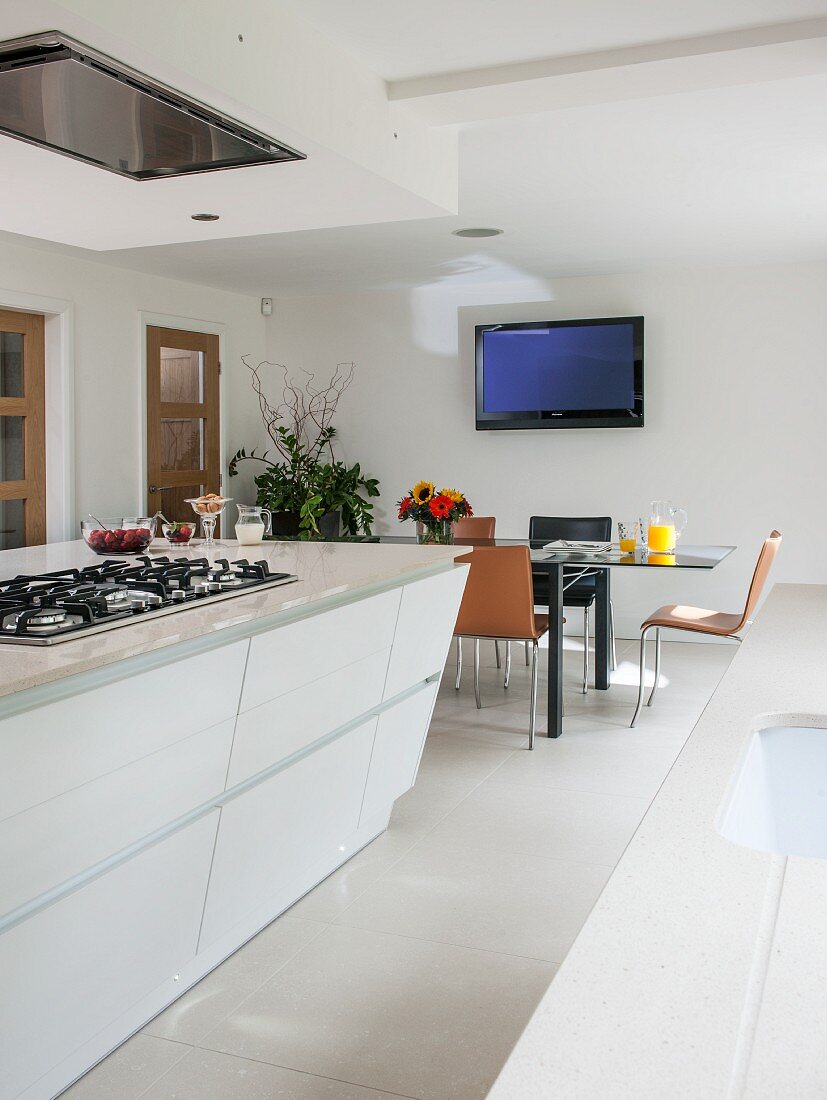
(325, 571)
(702, 970)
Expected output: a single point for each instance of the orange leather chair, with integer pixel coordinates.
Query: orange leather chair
(700, 621)
(498, 602)
(475, 527)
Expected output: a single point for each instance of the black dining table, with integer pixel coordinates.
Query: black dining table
(557, 564)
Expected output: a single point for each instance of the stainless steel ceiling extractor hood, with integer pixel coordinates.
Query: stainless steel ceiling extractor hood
(61, 95)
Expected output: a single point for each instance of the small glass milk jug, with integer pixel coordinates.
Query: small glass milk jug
(252, 525)
(666, 523)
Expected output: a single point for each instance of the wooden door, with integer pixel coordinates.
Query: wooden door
(182, 431)
(22, 430)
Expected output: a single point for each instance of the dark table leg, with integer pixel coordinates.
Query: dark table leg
(555, 650)
(602, 647)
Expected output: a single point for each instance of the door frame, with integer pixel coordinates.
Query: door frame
(187, 324)
(59, 327)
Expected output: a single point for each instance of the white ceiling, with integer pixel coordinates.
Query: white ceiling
(402, 39)
(262, 67)
(718, 176)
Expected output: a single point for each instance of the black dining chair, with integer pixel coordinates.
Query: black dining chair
(578, 582)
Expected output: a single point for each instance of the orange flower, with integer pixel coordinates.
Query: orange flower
(441, 506)
(405, 506)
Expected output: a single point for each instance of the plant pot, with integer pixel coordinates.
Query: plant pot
(287, 524)
(329, 525)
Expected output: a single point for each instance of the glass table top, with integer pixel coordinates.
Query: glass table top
(686, 557)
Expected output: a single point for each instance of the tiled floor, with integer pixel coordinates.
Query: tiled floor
(412, 971)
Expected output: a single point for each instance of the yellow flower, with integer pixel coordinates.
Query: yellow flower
(453, 494)
(423, 491)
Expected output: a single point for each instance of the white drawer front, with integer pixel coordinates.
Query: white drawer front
(43, 847)
(290, 656)
(278, 728)
(270, 835)
(427, 617)
(397, 748)
(76, 966)
(56, 747)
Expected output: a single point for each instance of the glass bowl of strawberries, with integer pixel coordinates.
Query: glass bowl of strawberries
(178, 534)
(118, 536)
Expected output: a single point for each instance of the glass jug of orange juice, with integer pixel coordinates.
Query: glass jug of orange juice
(666, 524)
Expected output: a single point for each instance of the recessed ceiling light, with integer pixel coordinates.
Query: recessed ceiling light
(205, 217)
(476, 232)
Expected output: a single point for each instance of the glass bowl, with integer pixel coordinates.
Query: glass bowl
(209, 505)
(118, 536)
(178, 534)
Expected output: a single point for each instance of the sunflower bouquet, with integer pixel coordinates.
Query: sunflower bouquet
(434, 512)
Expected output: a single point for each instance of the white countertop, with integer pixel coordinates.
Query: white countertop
(698, 974)
(325, 570)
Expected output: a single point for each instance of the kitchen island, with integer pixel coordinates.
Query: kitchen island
(702, 969)
(167, 788)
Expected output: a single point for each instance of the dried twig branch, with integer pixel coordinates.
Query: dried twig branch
(306, 409)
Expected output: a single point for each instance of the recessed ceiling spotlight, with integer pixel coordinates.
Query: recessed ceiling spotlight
(205, 217)
(477, 232)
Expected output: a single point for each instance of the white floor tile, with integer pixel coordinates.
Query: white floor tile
(558, 824)
(130, 1071)
(603, 761)
(520, 905)
(222, 990)
(430, 800)
(339, 890)
(455, 761)
(207, 1075)
(403, 1015)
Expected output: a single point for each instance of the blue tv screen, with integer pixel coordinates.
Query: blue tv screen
(560, 374)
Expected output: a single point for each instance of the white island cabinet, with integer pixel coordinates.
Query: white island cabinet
(169, 787)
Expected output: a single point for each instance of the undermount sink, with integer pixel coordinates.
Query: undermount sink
(778, 799)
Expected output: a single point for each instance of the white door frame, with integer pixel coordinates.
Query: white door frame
(188, 324)
(59, 315)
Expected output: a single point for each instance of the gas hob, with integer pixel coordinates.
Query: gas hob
(70, 603)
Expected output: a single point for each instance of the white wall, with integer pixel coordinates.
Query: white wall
(735, 395)
(107, 304)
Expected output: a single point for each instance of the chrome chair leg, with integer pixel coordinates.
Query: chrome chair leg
(643, 634)
(507, 664)
(459, 663)
(477, 673)
(585, 650)
(612, 634)
(532, 722)
(527, 658)
(497, 653)
(657, 667)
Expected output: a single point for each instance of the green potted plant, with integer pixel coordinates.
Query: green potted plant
(309, 492)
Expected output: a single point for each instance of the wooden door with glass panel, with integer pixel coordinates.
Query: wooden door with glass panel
(183, 451)
(22, 430)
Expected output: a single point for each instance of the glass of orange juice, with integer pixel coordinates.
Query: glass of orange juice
(627, 536)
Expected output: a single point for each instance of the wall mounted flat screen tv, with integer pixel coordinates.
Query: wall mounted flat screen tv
(560, 374)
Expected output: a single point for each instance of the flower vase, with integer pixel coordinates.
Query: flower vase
(439, 532)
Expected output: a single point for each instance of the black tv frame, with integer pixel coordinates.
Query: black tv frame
(562, 418)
